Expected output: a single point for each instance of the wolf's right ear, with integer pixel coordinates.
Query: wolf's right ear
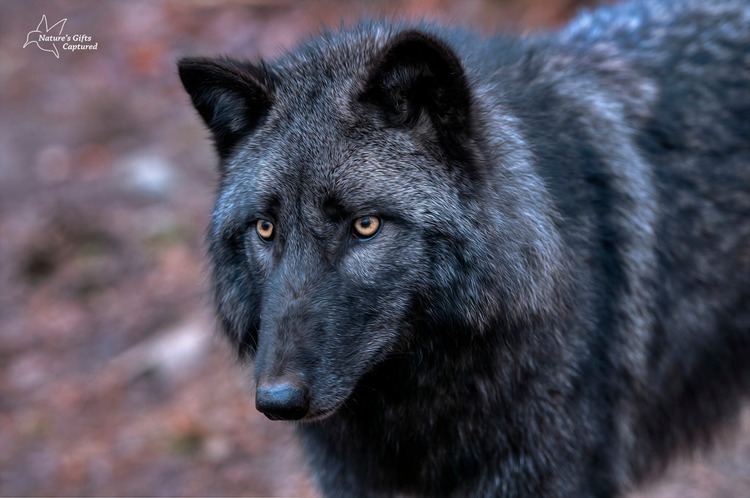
(418, 73)
(230, 96)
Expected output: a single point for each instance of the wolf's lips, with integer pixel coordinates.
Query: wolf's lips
(318, 415)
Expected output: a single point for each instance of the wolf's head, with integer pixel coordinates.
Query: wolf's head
(357, 206)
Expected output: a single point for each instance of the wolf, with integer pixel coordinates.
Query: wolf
(515, 266)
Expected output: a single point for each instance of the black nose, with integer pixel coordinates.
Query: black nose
(282, 400)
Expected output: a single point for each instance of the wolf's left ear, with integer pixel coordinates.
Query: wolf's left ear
(417, 73)
(230, 96)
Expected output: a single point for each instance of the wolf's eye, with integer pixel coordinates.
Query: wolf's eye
(264, 229)
(366, 226)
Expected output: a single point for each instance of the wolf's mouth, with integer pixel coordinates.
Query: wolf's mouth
(320, 415)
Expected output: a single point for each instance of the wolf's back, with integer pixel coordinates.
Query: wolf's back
(672, 81)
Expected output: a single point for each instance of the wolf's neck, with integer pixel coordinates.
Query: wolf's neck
(439, 396)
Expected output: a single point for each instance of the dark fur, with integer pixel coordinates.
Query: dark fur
(559, 297)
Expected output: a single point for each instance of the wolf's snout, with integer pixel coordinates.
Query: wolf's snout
(282, 399)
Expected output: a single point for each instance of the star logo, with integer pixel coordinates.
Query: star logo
(40, 36)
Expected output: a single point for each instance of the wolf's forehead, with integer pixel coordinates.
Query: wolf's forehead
(314, 144)
(322, 170)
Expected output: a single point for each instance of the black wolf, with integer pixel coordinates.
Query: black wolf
(512, 267)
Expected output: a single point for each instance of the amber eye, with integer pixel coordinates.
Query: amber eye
(264, 229)
(366, 226)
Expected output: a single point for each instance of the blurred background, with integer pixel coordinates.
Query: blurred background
(113, 380)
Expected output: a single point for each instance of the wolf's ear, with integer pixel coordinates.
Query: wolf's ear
(230, 96)
(418, 73)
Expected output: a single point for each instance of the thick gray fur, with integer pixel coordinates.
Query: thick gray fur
(558, 300)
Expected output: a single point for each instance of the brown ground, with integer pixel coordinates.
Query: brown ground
(112, 380)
